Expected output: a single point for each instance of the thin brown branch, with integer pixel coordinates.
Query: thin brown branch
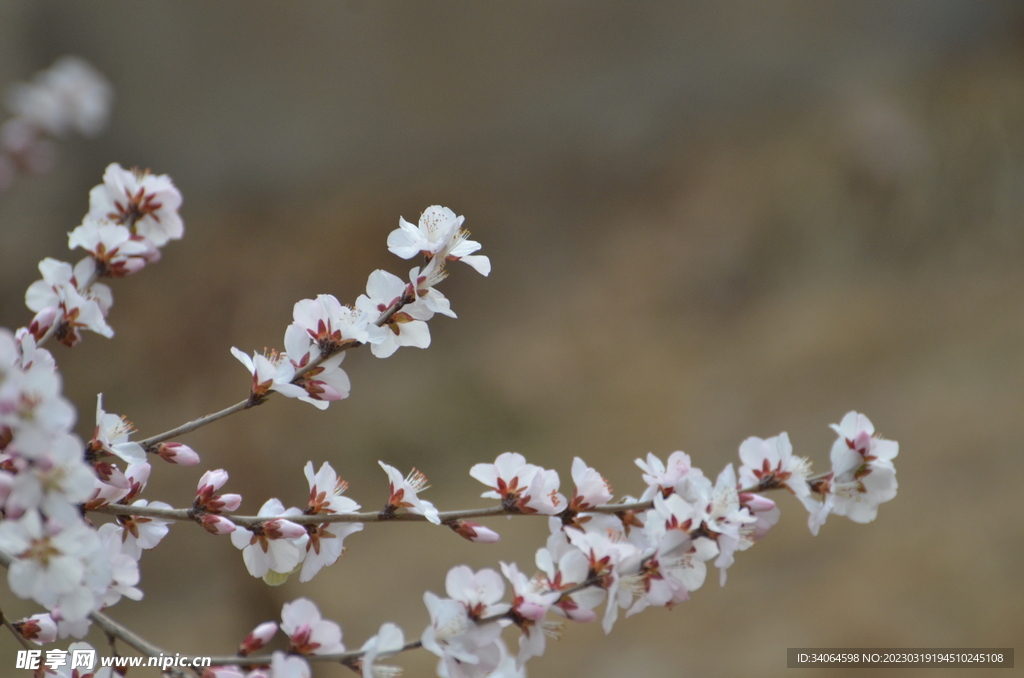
(10, 627)
(190, 426)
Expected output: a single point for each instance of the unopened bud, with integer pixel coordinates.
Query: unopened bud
(42, 321)
(258, 638)
(39, 628)
(474, 531)
(176, 453)
(283, 529)
(213, 480)
(218, 525)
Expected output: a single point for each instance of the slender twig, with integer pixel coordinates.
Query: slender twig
(188, 427)
(369, 517)
(349, 657)
(126, 635)
(115, 630)
(379, 516)
(193, 425)
(10, 627)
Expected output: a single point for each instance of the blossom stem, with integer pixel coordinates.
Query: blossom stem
(110, 627)
(10, 627)
(193, 425)
(125, 635)
(188, 427)
(369, 516)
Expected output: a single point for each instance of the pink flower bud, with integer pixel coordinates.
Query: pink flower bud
(532, 610)
(215, 524)
(283, 529)
(474, 531)
(258, 638)
(42, 321)
(39, 628)
(176, 453)
(213, 480)
(111, 475)
(756, 502)
(226, 502)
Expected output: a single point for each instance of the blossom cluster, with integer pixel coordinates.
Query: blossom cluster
(56, 558)
(48, 476)
(392, 314)
(620, 555)
(625, 554)
(131, 215)
(69, 96)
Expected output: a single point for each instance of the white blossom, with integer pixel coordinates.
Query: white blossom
(307, 632)
(146, 203)
(273, 545)
(71, 94)
(439, 235)
(404, 493)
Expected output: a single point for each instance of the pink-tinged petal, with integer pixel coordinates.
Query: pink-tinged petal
(258, 638)
(177, 453)
(474, 531)
(218, 525)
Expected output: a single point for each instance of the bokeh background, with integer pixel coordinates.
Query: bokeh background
(707, 221)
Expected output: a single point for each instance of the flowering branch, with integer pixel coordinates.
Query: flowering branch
(639, 552)
(188, 427)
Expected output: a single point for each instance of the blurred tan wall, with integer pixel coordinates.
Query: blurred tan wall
(707, 221)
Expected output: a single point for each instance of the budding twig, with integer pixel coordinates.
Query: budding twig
(188, 427)
(375, 516)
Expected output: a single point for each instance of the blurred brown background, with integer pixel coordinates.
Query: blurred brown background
(707, 221)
